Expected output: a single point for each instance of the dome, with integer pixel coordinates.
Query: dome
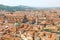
(16, 24)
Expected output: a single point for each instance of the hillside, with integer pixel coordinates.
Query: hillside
(23, 8)
(16, 8)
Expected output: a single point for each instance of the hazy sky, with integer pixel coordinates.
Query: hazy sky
(33, 3)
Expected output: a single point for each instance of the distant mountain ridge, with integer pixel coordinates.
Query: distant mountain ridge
(23, 8)
(16, 8)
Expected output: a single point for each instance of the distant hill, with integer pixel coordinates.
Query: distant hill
(23, 8)
(16, 8)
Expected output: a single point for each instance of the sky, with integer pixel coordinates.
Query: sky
(32, 3)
